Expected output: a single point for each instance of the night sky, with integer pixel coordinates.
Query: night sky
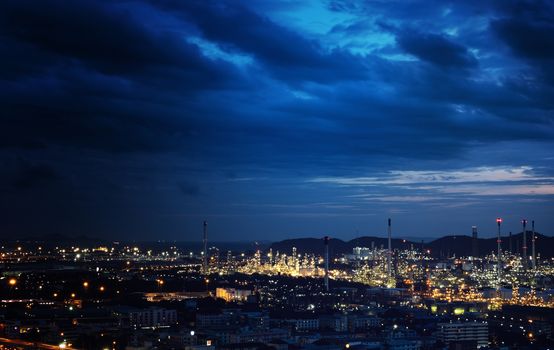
(275, 119)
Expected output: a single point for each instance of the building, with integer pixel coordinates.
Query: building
(255, 319)
(152, 317)
(477, 332)
(304, 324)
(361, 253)
(174, 296)
(337, 323)
(361, 322)
(217, 320)
(232, 294)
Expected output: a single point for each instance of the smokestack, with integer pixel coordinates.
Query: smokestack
(205, 241)
(474, 246)
(525, 259)
(499, 266)
(510, 243)
(533, 252)
(326, 242)
(389, 254)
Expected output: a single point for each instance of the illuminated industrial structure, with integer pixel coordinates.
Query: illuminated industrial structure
(499, 256)
(205, 250)
(533, 252)
(474, 242)
(445, 290)
(525, 259)
(326, 242)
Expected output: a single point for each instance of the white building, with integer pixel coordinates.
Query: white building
(477, 331)
(152, 317)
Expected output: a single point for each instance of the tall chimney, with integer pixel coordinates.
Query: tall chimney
(326, 242)
(499, 265)
(533, 252)
(510, 243)
(525, 259)
(205, 241)
(389, 253)
(474, 241)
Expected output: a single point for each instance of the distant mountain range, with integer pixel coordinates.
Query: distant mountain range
(446, 246)
(442, 247)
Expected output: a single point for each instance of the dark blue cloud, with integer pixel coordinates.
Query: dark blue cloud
(527, 39)
(101, 35)
(284, 53)
(528, 30)
(33, 175)
(145, 117)
(436, 49)
(81, 76)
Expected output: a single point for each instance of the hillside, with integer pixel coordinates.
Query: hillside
(442, 247)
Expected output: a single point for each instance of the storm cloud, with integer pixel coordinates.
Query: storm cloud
(138, 111)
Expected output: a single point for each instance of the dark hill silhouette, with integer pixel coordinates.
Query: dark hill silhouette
(458, 245)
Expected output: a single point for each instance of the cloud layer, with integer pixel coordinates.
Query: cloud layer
(141, 118)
